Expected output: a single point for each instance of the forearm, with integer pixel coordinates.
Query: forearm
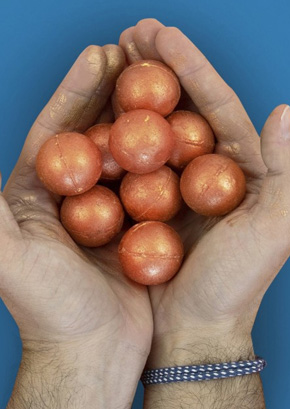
(243, 392)
(63, 378)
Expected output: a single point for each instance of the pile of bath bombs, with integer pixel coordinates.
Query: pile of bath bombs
(159, 157)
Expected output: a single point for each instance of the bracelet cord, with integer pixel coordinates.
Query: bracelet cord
(190, 373)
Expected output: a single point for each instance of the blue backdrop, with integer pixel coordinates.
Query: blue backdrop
(247, 42)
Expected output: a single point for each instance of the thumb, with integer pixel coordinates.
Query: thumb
(274, 197)
(7, 221)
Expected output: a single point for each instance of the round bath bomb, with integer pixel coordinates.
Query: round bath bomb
(193, 137)
(213, 185)
(141, 141)
(148, 84)
(100, 134)
(69, 164)
(151, 253)
(93, 218)
(153, 196)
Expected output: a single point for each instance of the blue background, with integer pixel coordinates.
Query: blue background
(247, 42)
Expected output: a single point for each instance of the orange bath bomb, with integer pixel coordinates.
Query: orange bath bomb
(151, 253)
(69, 163)
(100, 134)
(213, 185)
(93, 218)
(141, 141)
(153, 196)
(193, 137)
(148, 84)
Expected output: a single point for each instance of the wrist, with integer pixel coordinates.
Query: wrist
(185, 348)
(80, 373)
(201, 345)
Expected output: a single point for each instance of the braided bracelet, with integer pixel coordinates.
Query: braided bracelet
(202, 372)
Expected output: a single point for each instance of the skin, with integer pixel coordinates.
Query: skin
(205, 314)
(81, 321)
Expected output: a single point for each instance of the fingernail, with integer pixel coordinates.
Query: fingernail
(285, 123)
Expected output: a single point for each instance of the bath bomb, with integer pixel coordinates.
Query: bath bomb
(69, 164)
(100, 135)
(151, 253)
(153, 196)
(148, 84)
(193, 137)
(93, 218)
(213, 185)
(141, 141)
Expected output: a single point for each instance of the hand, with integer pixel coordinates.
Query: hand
(206, 312)
(84, 326)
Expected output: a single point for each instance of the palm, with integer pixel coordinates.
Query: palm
(65, 287)
(67, 291)
(209, 285)
(211, 267)
(229, 261)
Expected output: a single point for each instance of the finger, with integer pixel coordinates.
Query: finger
(8, 224)
(274, 199)
(126, 41)
(144, 36)
(215, 100)
(270, 216)
(74, 107)
(79, 99)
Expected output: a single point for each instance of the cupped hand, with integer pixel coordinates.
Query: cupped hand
(230, 261)
(58, 292)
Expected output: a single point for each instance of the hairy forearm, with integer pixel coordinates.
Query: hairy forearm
(52, 385)
(218, 394)
(63, 378)
(244, 392)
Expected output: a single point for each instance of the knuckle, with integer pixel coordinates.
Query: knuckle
(144, 21)
(112, 47)
(124, 35)
(116, 59)
(225, 97)
(92, 48)
(174, 29)
(193, 69)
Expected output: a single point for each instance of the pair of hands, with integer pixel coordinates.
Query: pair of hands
(74, 305)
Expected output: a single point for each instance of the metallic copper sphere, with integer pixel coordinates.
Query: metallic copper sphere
(153, 196)
(69, 164)
(193, 137)
(148, 84)
(93, 218)
(151, 253)
(100, 134)
(213, 185)
(141, 141)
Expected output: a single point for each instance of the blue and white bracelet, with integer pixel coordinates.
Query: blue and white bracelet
(190, 373)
